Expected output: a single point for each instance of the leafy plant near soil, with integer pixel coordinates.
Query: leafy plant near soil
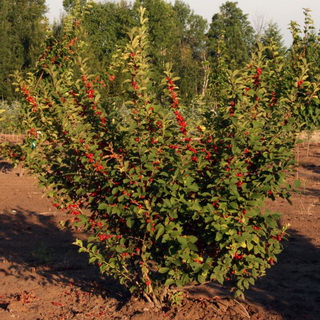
(305, 52)
(9, 119)
(167, 200)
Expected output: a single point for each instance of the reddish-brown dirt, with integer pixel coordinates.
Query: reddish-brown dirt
(43, 277)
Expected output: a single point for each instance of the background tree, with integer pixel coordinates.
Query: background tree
(5, 53)
(272, 36)
(177, 35)
(69, 4)
(306, 47)
(238, 35)
(107, 25)
(23, 29)
(192, 51)
(164, 31)
(259, 24)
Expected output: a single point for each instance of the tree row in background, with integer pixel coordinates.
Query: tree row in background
(200, 53)
(22, 31)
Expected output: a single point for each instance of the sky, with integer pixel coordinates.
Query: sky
(279, 11)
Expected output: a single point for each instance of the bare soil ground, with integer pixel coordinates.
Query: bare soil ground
(43, 277)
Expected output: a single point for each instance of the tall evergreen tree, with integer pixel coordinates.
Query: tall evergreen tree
(238, 35)
(272, 37)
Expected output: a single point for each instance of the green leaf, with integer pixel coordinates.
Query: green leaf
(163, 270)
(160, 231)
(192, 246)
(201, 278)
(219, 236)
(114, 190)
(130, 222)
(169, 282)
(234, 205)
(182, 240)
(297, 184)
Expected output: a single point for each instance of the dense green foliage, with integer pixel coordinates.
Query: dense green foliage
(168, 183)
(177, 35)
(306, 47)
(168, 196)
(22, 31)
(107, 26)
(199, 56)
(238, 35)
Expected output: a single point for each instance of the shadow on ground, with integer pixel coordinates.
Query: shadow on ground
(33, 247)
(31, 242)
(291, 288)
(5, 166)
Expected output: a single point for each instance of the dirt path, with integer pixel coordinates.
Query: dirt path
(43, 277)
